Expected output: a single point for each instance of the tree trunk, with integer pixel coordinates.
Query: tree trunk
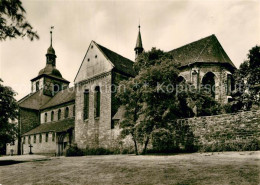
(145, 145)
(136, 149)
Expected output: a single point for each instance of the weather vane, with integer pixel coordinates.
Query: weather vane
(52, 27)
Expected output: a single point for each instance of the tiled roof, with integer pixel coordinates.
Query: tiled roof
(121, 63)
(61, 97)
(34, 100)
(58, 126)
(207, 50)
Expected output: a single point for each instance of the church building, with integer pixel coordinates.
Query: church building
(54, 115)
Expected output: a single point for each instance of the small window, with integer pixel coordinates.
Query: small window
(53, 136)
(23, 140)
(95, 56)
(59, 114)
(112, 124)
(91, 46)
(40, 138)
(37, 85)
(29, 140)
(67, 112)
(52, 115)
(88, 59)
(45, 117)
(74, 110)
(34, 139)
(46, 137)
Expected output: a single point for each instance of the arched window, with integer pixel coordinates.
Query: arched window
(46, 137)
(67, 112)
(40, 138)
(59, 114)
(45, 117)
(29, 139)
(97, 102)
(86, 104)
(23, 140)
(74, 110)
(208, 83)
(34, 139)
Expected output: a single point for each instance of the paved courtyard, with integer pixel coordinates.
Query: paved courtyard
(182, 169)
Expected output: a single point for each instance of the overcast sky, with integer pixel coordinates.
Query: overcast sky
(113, 24)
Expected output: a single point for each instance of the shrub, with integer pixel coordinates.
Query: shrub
(73, 150)
(163, 141)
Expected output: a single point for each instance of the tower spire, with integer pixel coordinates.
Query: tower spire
(139, 45)
(50, 56)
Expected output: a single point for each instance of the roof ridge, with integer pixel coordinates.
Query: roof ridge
(194, 42)
(112, 51)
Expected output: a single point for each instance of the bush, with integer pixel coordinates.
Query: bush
(74, 151)
(162, 141)
(97, 151)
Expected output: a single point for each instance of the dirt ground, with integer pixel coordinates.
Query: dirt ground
(182, 169)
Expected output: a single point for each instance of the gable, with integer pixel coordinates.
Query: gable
(94, 63)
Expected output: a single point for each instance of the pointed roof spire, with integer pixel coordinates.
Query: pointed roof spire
(139, 43)
(50, 49)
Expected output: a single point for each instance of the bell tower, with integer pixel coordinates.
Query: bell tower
(50, 56)
(139, 45)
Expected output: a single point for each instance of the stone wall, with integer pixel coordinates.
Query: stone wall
(221, 128)
(48, 147)
(94, 132)
(29, 119)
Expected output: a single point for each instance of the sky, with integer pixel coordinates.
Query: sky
(114, 24)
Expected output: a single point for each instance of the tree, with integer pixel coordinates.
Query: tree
(8, 112)
(247, 79)
(13, 22)
(154, 100)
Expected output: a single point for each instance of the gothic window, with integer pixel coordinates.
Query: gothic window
(40, 138)
(37, 85)
(97, 102)
(86, 104)
(67, 112)
(46, 137)
(52, 115)
(45, 117)
(59, 114)
(23, 140)
(34, 139)
(29, 139)
(53, 136)
(73, 110)
(208, 83)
